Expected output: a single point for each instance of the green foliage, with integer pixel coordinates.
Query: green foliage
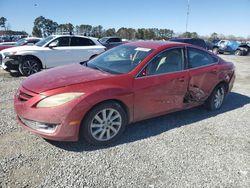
(36, 32)
(44, 26)
(110, 32)
(2, 22)
(189, 35)
(213, 36)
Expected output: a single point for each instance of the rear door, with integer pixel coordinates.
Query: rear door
(161, 85)
(203, 72)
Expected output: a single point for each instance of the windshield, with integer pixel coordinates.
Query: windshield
(20, 42)
(121, 59)
(103, 40)
(44, 41)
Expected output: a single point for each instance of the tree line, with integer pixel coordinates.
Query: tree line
(44, 27)
(7, 30)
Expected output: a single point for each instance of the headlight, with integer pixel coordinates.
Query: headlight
(9, 53)
(57, 100)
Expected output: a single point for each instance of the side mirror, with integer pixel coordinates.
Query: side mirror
(53, 44)
(143, 73)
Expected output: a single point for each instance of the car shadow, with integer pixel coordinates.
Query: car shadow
(152, 127)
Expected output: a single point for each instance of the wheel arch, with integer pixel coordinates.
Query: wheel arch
(34, 57)
(224, 83)
(121, 103)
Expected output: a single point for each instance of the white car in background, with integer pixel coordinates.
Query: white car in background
(50, 52)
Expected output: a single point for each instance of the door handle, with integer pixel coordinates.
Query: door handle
(181, 79)
(215, 70)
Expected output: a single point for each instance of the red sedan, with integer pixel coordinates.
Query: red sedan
(129, 83)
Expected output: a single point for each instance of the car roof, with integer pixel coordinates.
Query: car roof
(70, 36)
(157, 44)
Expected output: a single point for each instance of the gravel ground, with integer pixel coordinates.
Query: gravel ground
(192, 148)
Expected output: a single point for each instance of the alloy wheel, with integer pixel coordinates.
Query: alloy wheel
(219, 97)
(106, 124)
(30, 67)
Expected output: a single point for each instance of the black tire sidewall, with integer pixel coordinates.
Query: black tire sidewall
(85, 131)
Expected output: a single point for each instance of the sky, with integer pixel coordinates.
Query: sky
(206, 16)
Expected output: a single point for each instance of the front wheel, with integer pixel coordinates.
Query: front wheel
(214, 102)
(104, 123)
(29, 66)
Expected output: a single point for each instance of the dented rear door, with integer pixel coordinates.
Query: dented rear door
(203, 74)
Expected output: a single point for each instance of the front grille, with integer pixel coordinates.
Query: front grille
(24, 95)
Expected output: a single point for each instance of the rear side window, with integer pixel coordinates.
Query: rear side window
(197, 42)
(80, 41)
(114, 40)
(198, 58)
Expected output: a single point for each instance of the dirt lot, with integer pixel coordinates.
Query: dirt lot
(192, 148)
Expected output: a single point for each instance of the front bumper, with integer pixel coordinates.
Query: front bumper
(64, 120)
(10, 63)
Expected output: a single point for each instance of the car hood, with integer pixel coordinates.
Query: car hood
(21, 48)
(62, 76)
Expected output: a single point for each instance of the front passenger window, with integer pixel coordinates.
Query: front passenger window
(62, 41)
(166, 62)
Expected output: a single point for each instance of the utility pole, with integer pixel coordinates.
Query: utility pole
(187, 15)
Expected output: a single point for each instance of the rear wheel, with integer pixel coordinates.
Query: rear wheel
(29, 66)
(237, 52)
(214, 102)
(215, 50)
(104, 123)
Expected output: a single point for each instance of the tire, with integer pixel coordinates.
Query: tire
(237, 52)
(215, 100)
(103, 124)
(215, 50)
(29, 66)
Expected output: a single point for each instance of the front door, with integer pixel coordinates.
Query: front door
(161, 86)
(61, 54)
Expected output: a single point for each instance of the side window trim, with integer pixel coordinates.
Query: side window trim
(163, 51)
(187, 59)
(58, 38)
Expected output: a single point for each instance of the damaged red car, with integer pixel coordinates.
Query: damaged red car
(129, 83)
